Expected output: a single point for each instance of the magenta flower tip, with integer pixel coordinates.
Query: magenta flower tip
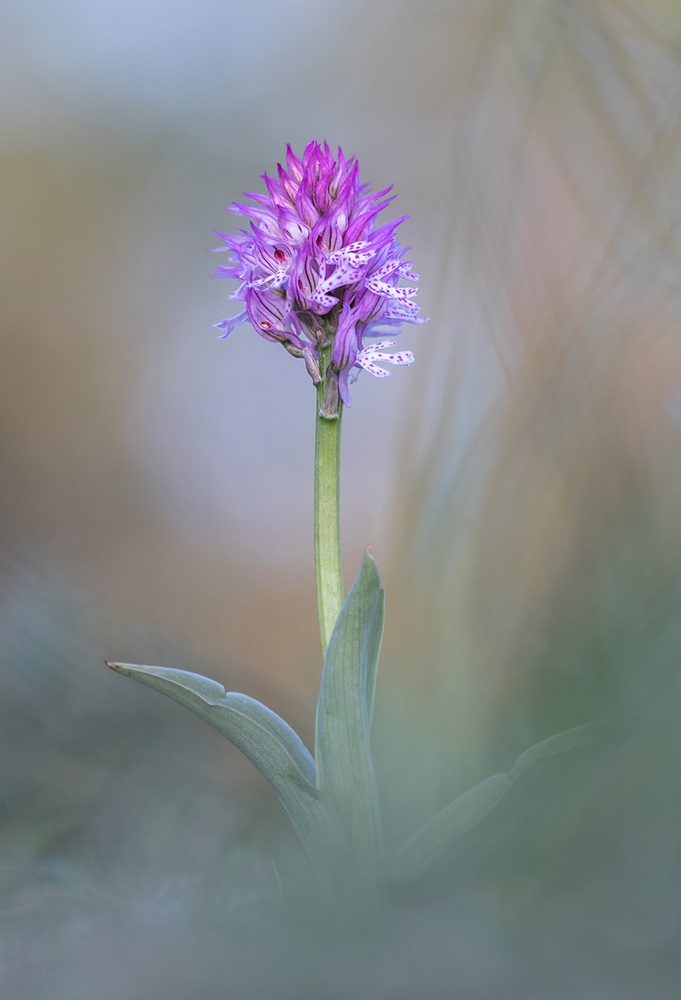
(313, 268)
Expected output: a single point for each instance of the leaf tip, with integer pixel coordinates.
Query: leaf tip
(370, 561)
(121, 668)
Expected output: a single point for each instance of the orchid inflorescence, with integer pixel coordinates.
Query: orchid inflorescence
(315, 271)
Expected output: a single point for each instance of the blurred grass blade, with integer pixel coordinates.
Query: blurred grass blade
(443, 830)
(587, 735)
(345, 771)
(268, 742)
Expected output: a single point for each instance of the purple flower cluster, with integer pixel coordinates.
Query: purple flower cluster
(316, 275)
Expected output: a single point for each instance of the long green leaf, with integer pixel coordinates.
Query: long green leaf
(268, 742)
(570, 739)
(373, 655)
(446, 827)
(468, 809)
(345, 773)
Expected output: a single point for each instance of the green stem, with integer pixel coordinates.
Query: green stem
(327, 550)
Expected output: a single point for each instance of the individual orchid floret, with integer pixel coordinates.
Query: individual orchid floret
(369, 355)
(315, 272)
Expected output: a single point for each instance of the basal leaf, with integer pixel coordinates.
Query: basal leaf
(470, 808)
(268, 742)
(373, 655)
(446, 827)
(345, 773)
(570, 739)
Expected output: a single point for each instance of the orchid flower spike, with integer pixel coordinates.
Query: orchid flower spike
(315, 271)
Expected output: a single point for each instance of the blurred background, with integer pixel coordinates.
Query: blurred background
(520, 485)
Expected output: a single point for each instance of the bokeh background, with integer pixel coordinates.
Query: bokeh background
(520, 485)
